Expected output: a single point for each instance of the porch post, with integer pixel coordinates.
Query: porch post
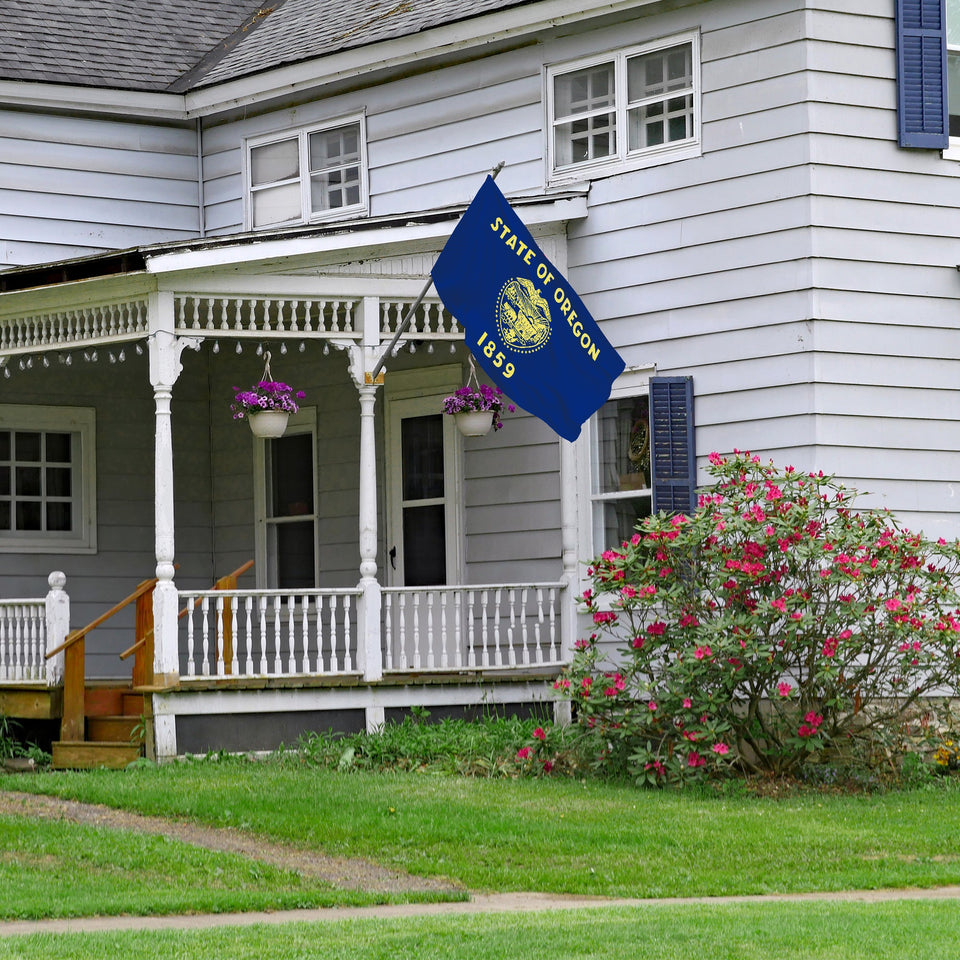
(165, 368)
(369, 653)
(569, 522)
(58, 624)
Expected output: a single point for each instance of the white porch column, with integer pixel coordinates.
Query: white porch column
(165, 368)
(369, 652)
(58, 624)
(569, 525)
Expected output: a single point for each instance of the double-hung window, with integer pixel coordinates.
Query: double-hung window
(642, 456)
(624, 110)
(47, 479)
(316, 173)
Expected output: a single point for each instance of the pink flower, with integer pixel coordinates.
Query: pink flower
(687, 703)
(604, 616)
(893, 604)
(652, 705)
(547, 766)
(524, 753)
(586, 683)
(702, 652)
(695, 760)
(720, 748)
(780, 605)
(637, 643)
(829, 647)
(784, 689)
(540, 734)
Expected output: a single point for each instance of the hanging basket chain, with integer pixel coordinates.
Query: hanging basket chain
(267, 375)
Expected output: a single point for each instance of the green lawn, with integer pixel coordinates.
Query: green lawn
(798, 931)
(560, 836)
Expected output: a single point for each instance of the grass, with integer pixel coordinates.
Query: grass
(787, 931)
(66, 870)
(561, 836)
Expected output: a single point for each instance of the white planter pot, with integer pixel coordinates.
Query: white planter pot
(475, 423)
(268, 423)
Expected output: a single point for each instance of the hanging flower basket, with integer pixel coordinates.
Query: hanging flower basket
(476, 406)
(268, 424)
(474, 423)
(267, 405)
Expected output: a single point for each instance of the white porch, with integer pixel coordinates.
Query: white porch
(371, 645)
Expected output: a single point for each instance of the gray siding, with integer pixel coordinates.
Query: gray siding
(72, 186)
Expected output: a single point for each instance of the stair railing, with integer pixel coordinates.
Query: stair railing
(143, 647)
(74, 676)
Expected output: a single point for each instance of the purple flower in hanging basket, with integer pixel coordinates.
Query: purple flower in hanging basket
(266, 395)
(483, 398)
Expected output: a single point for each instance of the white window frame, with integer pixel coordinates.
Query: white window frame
(633, 382)
(303, 421)
(420, 393)
(624, 159)
(953, 151)
(302, 136)
(47, 419)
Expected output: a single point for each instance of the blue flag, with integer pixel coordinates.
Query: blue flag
(528, 329)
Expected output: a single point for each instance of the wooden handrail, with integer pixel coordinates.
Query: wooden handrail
(76, 635)
(239, 572)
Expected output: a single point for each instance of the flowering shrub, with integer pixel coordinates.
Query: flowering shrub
(483, 398)
(774, 627)
(266, 395)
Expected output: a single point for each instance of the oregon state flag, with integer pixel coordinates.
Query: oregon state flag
(523, 322)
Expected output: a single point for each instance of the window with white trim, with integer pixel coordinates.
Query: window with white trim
(47, 479)
(624, 110)
(316, 173)
(620, 491)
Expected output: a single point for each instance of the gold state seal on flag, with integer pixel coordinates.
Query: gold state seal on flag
(523, 316)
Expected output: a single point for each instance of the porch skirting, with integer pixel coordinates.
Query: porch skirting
(252, 716)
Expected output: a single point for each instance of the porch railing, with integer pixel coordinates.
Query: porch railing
(23, 640)
(269, 633)
(29, 630)
(485, 627)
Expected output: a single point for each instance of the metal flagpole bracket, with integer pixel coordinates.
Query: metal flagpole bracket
(377, 375)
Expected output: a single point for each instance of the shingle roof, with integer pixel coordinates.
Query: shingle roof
(303, 29)
(127, 44)
(158, 45)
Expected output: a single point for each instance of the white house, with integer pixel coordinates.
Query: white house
(755, 200)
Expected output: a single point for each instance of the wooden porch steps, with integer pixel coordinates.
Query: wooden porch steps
(113, 731)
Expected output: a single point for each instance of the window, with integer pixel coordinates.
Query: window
(625, 110)
(621, 492)
(285, 492)
(47, 479)
(642, 457)
(313, 174)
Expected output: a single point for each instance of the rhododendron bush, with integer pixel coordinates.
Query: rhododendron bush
(775, 626)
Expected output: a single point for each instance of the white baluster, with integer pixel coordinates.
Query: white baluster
(277, 665)
(444, 653)
(347, 633)
(292, 635)
(523, 626)
(498, 652)
(334, 660)
(248, 635)
(262, 609)
(6, 672)
(234, 662)
(305, 631)
(205, 631)
(416, 631)
(388, 631)
(483, 628)
(402, 621)
(538, 624)
(457, 626)
(218, 605)
(552, 609)
(431, 662)
(191, 666)
(471, 649)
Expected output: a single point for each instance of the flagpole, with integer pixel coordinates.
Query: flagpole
(411, 310)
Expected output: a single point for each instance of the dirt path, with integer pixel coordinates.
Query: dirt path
(351, 874)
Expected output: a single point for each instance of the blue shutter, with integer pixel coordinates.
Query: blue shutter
(673, 458)
(922, 74)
